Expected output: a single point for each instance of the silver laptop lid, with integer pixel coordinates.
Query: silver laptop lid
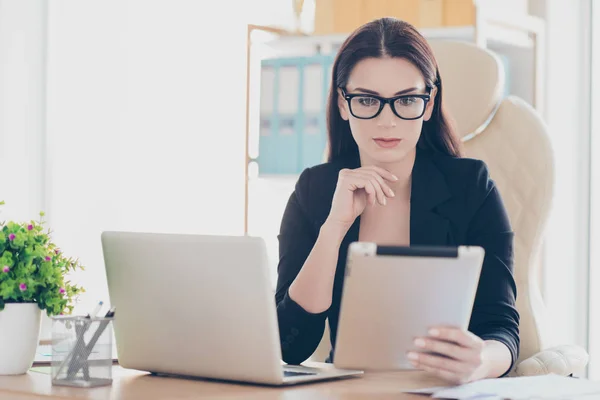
(193, 305)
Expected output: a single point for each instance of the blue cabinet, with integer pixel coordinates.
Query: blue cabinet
(293, 132)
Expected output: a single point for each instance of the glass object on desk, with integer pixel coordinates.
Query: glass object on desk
(82, 351)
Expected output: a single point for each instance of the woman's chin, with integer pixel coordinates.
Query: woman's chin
(387, 156)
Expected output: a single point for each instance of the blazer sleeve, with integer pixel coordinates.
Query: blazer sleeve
(494, 316)
(299, 331)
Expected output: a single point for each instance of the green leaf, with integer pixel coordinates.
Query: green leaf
(19, 241)
(8, 256)
(7, 288)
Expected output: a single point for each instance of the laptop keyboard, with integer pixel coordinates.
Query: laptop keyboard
(295, 373)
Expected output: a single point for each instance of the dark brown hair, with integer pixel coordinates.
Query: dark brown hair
(388, 37)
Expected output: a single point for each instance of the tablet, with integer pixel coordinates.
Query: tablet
(391, 295)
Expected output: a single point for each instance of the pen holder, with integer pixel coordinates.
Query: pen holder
(81, 351)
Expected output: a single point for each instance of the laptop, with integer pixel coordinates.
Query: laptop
(412, 289)
(199, 306)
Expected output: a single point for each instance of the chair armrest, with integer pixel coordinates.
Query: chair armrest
(561, 360)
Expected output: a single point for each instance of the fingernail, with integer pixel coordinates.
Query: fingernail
(412, 356)
(384, 201)
(434, 332)
(392, 193)
(419, 342)
(395, 177)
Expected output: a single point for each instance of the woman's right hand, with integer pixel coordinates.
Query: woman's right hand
(355, 189)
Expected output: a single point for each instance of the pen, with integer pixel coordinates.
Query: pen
(93, 314)
(96, 310)
(84, 353)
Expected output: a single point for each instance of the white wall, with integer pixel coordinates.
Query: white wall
(567, 114)
(594, 312)
(22, 51)
(146, 122)
(146, 108)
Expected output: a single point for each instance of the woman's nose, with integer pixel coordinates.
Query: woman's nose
(387, 118)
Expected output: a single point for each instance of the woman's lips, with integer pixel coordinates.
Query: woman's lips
(387, 143)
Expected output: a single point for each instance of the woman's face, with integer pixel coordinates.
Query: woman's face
(385, 138)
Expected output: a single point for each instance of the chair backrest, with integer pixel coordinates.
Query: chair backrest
(510, 137)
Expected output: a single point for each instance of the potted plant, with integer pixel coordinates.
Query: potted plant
(33, 277)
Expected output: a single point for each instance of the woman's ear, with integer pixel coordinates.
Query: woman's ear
(343, 105)
(430, 104)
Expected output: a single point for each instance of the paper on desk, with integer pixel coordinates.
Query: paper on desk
(430, 390)
(435, 390)
(540, 387)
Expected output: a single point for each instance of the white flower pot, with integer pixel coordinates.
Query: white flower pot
(19, 336)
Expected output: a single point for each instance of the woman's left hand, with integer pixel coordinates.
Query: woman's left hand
(461, 358)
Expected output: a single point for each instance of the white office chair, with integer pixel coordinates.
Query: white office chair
(510, 137)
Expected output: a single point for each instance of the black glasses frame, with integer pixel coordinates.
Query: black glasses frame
(386, 100)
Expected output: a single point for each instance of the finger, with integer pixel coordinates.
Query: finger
(372, 191)
(459, 336)
(384, 186)
(438, 362)
(448, 349)
(376, 185)
(443, 374)
(356, 182)
(385, 174)
(380, 195)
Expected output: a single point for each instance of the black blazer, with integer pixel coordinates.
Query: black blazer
(453, 202)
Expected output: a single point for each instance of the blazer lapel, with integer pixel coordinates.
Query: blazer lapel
(428, 190)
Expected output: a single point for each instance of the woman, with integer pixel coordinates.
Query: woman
(395, 176)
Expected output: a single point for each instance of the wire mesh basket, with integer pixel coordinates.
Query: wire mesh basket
(81, 351)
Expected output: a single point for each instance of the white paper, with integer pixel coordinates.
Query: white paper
(550, 387)
(430, 390)
(467, 395)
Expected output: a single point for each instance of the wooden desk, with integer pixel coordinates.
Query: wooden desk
(135, 385)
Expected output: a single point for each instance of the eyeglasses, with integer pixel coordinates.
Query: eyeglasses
(368, 106)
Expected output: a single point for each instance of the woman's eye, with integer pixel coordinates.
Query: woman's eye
(368, 101)
(407, 101)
